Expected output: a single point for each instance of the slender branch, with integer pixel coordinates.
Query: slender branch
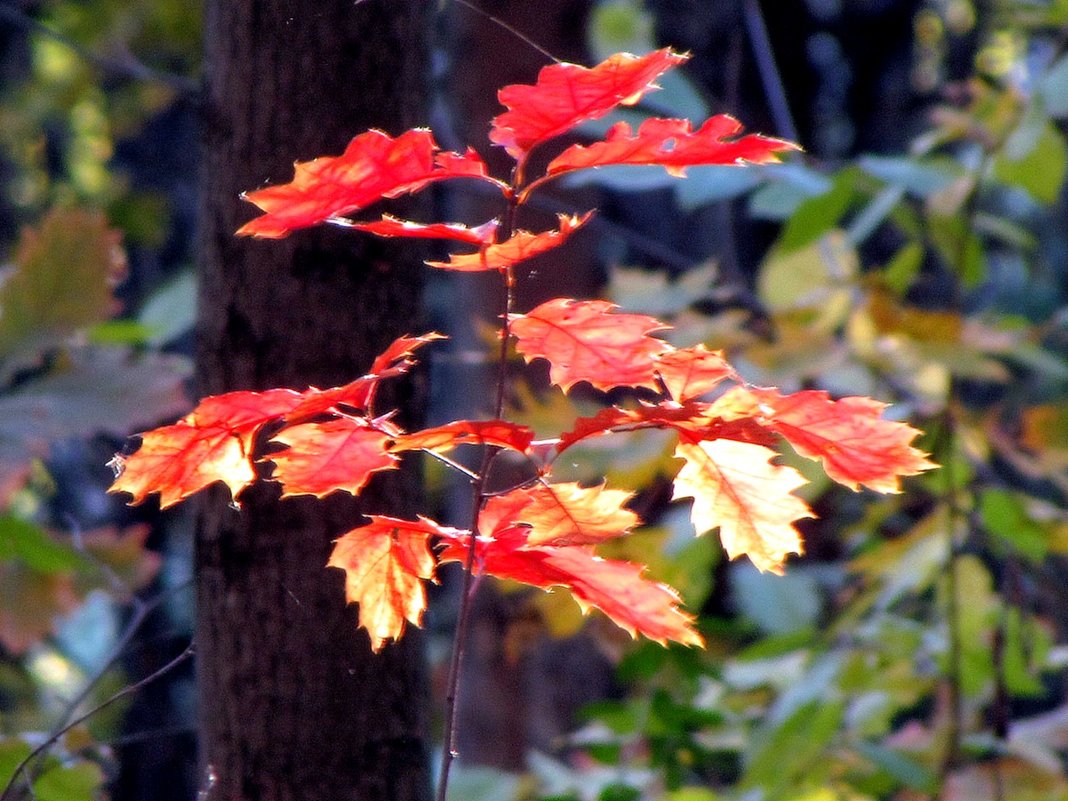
(21, 770)
(769, 71)
(479, 496)
(445, 460)
(142, 610)
(128, 67)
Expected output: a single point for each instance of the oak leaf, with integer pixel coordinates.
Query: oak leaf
(212, 443)
(848, 436)
(499, 433)
(520, 246)
(674, 145)
(690, 372)
(618, 589)
(390, 226)
(332, 456)
(570, 514)
(385, 564)
(737, 489)
(374, 166)
(585, 340)
(568, 94)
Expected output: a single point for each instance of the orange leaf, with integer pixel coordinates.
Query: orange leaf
(569, 514)
(374, 166)
(634, 603)
(584, 340)
(521, 246)
(385, 563)
(568, 94)
(735, 488)
(391, 226)
(337, 455)
(401, 350)
(211, 443)
(849, 436)
(443, 438)
(691, 372)
(674, 145)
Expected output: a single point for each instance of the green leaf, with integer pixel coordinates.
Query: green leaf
(904, 267)
(35, 548)
(12, 751)
(1005, 517)
(78, 782)
(814, 217)
(903, 769)
(1035, 158)
(791, 755)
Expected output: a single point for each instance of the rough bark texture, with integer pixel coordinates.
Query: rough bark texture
(292, 703)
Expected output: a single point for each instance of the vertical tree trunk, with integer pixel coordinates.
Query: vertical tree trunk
(292, 703)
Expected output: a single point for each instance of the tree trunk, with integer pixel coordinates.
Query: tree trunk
(292, 704)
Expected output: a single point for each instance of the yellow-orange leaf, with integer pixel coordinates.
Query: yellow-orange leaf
(569, 514)
(585, 340)
(385, 564)
(735, 488)
(690, 372)
(211, 443)
(337, 455)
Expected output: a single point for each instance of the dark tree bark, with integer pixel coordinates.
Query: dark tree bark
(292, 703)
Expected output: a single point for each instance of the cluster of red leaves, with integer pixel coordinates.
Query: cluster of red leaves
(540, 532)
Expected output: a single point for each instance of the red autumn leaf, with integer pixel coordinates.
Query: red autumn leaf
(374, 166)
(585, 340)
(391, 226)
(674, 145)
(690, 372)
(401, 349)
(336, 455)
(385, 564)
(519, 247)
(849, 436)
(569, 514)
(442, 438)
(568, 94)
(395, 360)
(211, 443)
(735, 488)
(634, 603)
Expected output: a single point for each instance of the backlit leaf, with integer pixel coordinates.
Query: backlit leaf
(570, 514)
(585, 340)
(211, 443)
(568, 94)
(674, 145)
(374, 166)
(391, 226)
(635, 604)
(736, 488)
(337, 455)
(519, 247)
(690, 372)
(442, 438)
(849, 436)
(385, 564)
